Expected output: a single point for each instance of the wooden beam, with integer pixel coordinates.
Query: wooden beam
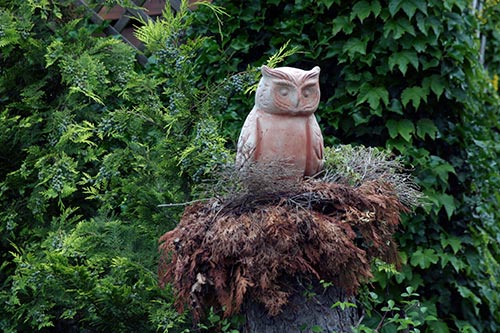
(110, 30)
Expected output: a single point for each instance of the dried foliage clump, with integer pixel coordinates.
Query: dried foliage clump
(248, 242)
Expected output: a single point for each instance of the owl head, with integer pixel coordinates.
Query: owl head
(288, 90)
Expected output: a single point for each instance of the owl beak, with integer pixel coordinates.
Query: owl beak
(296, 100)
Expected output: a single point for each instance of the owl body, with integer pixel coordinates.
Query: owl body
(282, 126)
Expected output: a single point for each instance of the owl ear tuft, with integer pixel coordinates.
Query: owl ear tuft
(315, 70)
(276, 73)
(267, 71)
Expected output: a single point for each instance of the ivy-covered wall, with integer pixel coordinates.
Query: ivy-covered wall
(404, 75)
(93, 144)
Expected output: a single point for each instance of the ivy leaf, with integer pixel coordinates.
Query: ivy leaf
(328, 3)
(398, 27)
(373, 95)
(426, 127)
(406, 129)
(467, 293)
(441, 168)
(422, 24)
(355, 45)
(360, 118)
(402, 59)
(414, 94)
(392, 127)
(454, 242)
(424, 258)
(394, 6)
(341, 23)
(376, 8)
(411, 6)
(395, 106)
(361, 9)
(448, 202)
(434, 83)
(457, 263)
(403, 128)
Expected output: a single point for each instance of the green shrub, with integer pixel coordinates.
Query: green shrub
(92, 144)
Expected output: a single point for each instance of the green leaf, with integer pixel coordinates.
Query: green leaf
(448, 202)
(394, 6)
(441, 168)
(426, 127)
(422, 24)
(411, 6)
(355, 45)
(316, 329)
(395, 106)
(361, 10)
(406, 129)
(438, 327)
(403, 128)
(435, 83)
(392, 127)
(376, 8)
(398, 27)
(343, 305)
(360, 118)
(414, 94)
(402, 59)
(454, 242)
(457, 263)
(341, 23)
(373, 95)
(328, 3)
(469, 294)
(424, 258)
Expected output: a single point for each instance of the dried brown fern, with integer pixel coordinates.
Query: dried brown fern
(223, 252)
(262, 226)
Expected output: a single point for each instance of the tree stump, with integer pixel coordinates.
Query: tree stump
(310, 309)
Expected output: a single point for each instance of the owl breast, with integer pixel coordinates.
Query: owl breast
(290, 140)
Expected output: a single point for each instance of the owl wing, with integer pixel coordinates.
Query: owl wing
(317, 143)
(247, 142)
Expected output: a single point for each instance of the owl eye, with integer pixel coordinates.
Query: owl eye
(307, 92)
(284, 91)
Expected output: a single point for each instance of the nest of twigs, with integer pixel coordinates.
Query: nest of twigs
(247, 243)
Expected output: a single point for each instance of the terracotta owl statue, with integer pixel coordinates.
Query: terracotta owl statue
(282, 126)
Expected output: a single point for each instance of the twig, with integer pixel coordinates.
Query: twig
(182, 203)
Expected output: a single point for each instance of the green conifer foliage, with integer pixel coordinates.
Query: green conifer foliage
(91, 145)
